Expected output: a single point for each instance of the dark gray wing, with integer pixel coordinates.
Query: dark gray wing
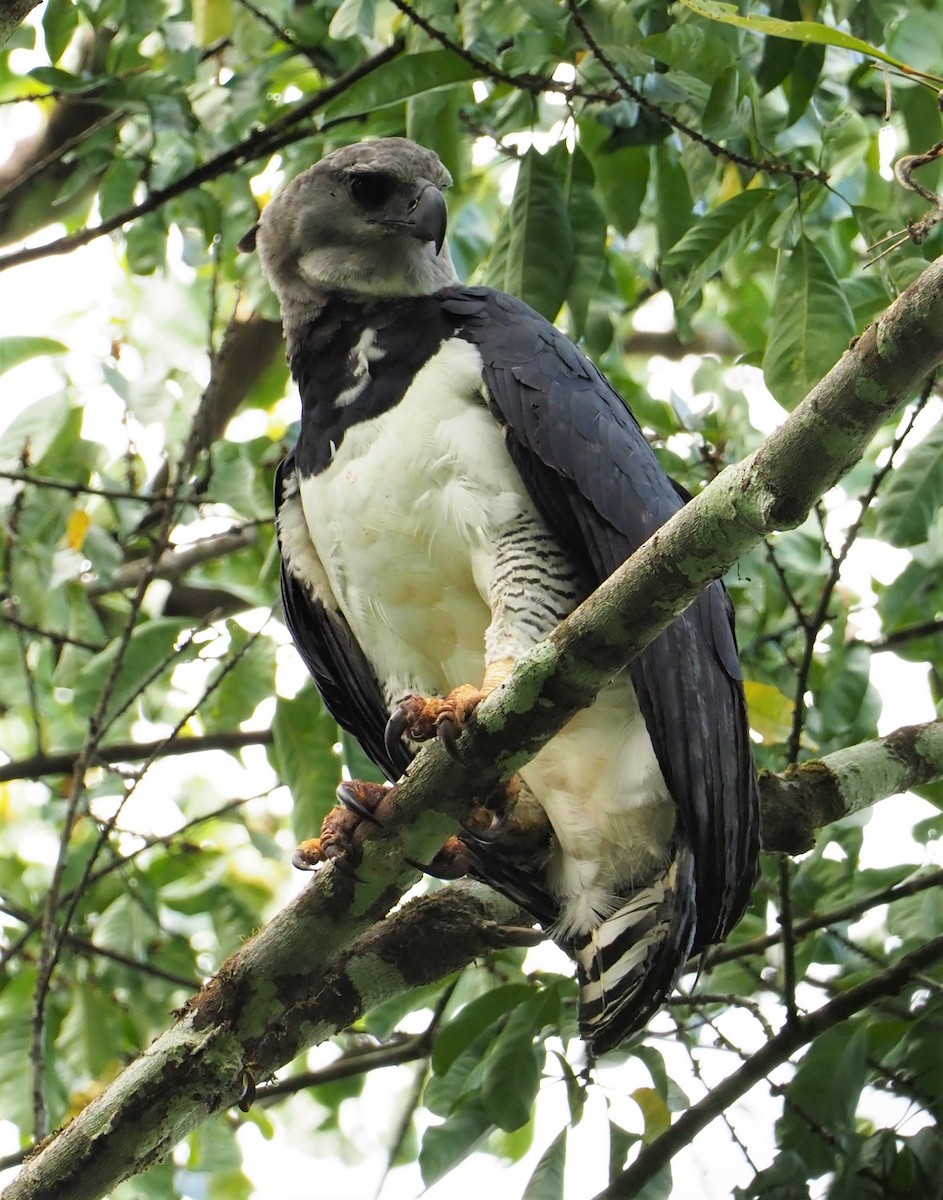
(331, 653)
(599, 486)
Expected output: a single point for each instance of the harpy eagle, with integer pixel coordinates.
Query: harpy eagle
(463, 478)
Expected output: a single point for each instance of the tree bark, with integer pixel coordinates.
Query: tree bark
(12, 14)
(812, 794)
(267, 1004)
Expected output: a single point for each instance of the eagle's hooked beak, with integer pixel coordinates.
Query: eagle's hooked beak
(429, 217)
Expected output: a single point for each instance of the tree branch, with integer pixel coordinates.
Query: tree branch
(12, 14)
(812, 794)
(174, 562)
(63, 763)
(269, 1002)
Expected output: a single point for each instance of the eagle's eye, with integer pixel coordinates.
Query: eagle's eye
(370, 189)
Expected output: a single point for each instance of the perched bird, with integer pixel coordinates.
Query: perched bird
(464, 477)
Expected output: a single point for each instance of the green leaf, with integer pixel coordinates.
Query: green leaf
(919, 1054)
(444, 1146)
(382, 1020)
(695, 49)
(400, 79)
(588, 226)
(811, 324)
(444, 1093)
(212, 20)
(146, 244)
(87, 1037)
(511, 1072)
(245, 686)
(60, 81)
(704, 248)
(236, 479)
(914, 596)
(823, 1095)
(621, 181)
(546, 1183)
(59, 23)
(674, 210)
(846, 705)
(770, 711)
(534, 259)
(620, 1143)
(14, 350)
(575, 1089)
(475, 1016)
(655, 1065)
(126, 926)
(152, 645)
(803, 79)
(16, 1006)
(304, 736)
(116, 191)
(797, 31)
(784, 1180)
(354, 18)
(911, 499)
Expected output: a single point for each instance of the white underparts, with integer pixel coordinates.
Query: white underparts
(431, 546)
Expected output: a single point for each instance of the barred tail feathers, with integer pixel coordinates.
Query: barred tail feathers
(629, 963)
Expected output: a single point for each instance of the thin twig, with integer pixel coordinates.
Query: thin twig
(835, 916)
(168, 840)
(820, 616)
(767, 166)
(257, 145)
(788, 942)
(534, 84)
(63, 763)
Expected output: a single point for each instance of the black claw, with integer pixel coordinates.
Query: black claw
(424, 867)
(395, 729)
(447, 733)
(348, 798)
(301, 863)
(493, 833)
(433, 870)
(340, 862)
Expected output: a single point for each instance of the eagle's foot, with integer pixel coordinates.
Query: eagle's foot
(451, 862)
(514, 820)
(362, 798)
(358, 801)
(421, 718)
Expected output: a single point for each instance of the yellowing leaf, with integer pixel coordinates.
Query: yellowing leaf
(770, 711)
(212, 20)
(732, 184)
(654, 1111)
(77, 528)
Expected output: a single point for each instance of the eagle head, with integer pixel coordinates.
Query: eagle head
(367, 220)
